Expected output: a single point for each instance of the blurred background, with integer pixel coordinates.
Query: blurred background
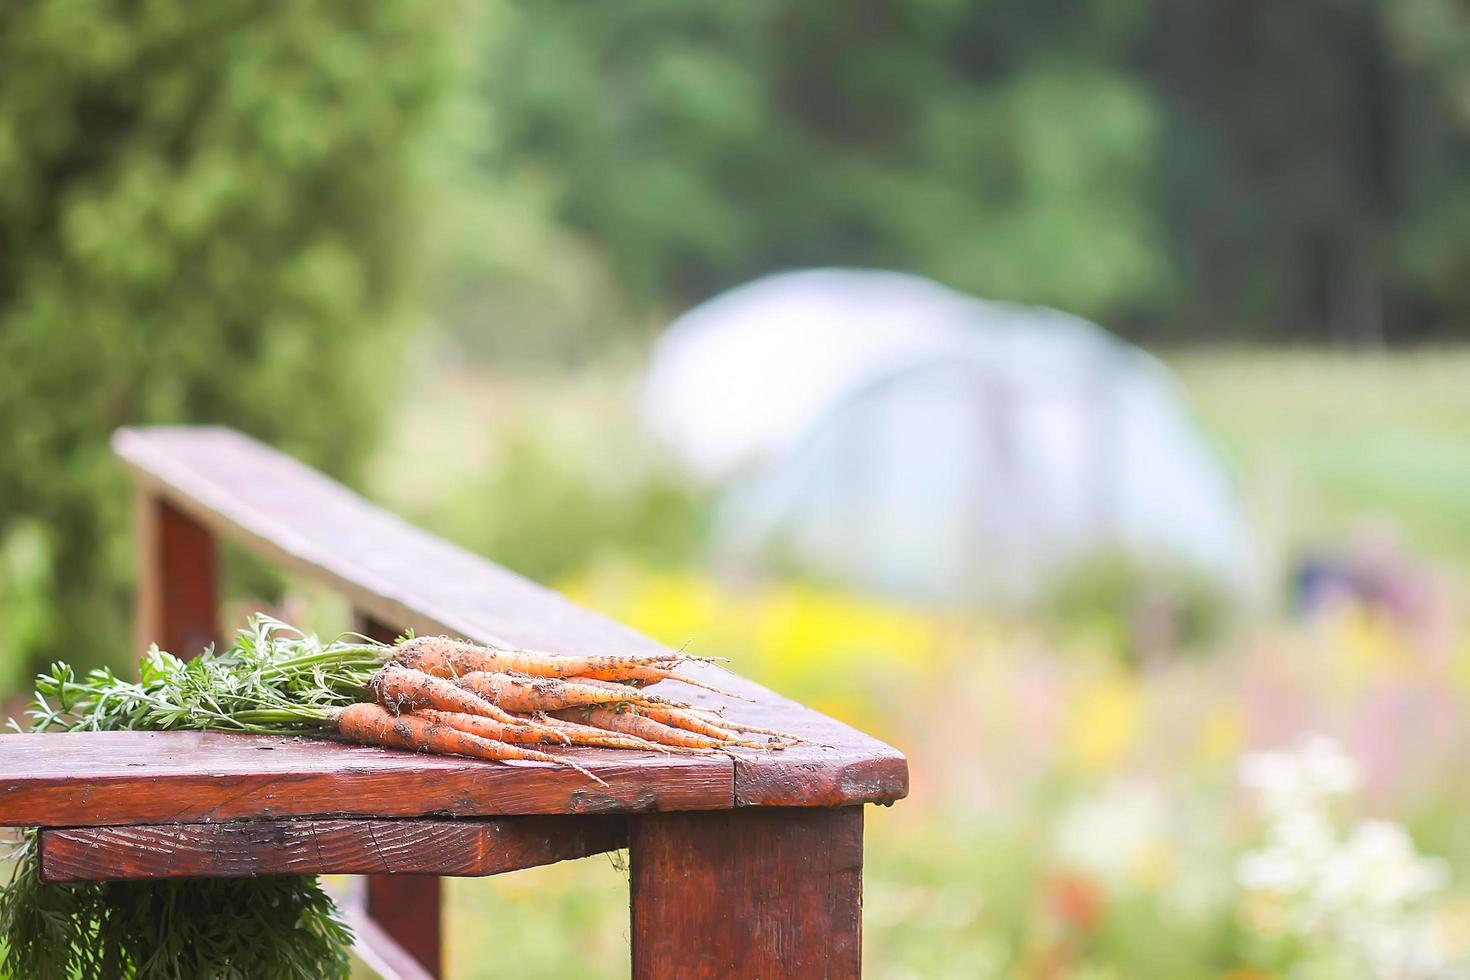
(1075, 395)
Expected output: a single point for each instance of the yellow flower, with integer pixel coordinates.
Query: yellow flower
(1154, 866)
(1222, 736)
(1104, 723)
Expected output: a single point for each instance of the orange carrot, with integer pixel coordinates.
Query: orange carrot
(443, 657)
(738, 726)
(399, 689)
(637, 725)
(542, 693)
(648, 745)
(526, 732)
(373, 724)
(553, 731)
(645, 676)
(691, 722)
(632, 695)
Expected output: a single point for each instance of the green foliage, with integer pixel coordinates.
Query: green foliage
(1147, 611)
(273, 680)
(694, 147)
(547, 515)
(203, 218)
(1205, 170)
(272, 928)
(1326, 442)
(1313, 172)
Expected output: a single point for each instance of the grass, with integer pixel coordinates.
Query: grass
(1323, 442)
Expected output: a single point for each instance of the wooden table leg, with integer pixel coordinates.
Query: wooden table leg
(759, 892)
(177, 568)
(409, 908)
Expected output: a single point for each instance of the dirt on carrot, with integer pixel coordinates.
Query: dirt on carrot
(444, 657)
(528, 694)
(400, 689)
(372, 724)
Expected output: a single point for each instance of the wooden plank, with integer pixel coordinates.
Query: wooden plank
(771, 892)
(106, 778)
(380, 953)
(178, 600)
(837, 765)
(405, 577)
(410, 909)
(396, 848)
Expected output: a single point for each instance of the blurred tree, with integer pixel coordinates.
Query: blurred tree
(1430, 40)
(1215, 169)
(202, 219)
(1001, 149)
(1314, 165)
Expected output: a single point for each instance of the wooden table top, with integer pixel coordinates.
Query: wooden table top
(243, 490)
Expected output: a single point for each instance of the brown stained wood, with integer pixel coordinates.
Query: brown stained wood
(374, 628)
(404, 577)
(409, 909)
(247, 848)
(108, 778)
(177, 571)
(381, 954)
(836, 765)
(773, 892)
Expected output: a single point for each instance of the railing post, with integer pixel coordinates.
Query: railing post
(177, 598)
(757, 892)
(406, 907)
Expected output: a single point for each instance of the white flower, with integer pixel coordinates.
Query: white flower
(1313, 772)
(1378, 868)
(1364, 900)
(1111, 833)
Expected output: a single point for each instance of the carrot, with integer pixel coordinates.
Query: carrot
(400, 689)
(637, 725)
(632, 695)
(596, 731)
(645, 676)
(372, 724)
(687, 720)
(737, 726)
(443, 657)
(525, 733)
(543, 693)
(550, 732)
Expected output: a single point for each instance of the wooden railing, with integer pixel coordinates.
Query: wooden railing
(742, 864)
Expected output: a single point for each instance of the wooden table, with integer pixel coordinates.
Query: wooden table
(777, 836)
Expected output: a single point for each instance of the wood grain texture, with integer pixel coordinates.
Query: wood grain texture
(404, 577)
(177, 579)
(410, 910)
(109, 778)
(246, 848)
(836, 765)
(765, 893)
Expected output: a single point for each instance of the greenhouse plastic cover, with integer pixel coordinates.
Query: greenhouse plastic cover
(885, 431)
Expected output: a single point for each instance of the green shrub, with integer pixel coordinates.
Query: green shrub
(549, 515)
(684, 149)
(1144, 610)
(203, 218)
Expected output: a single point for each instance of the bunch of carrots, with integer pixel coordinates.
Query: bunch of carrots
(426, 694)
(429, 694)
(448, 696)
